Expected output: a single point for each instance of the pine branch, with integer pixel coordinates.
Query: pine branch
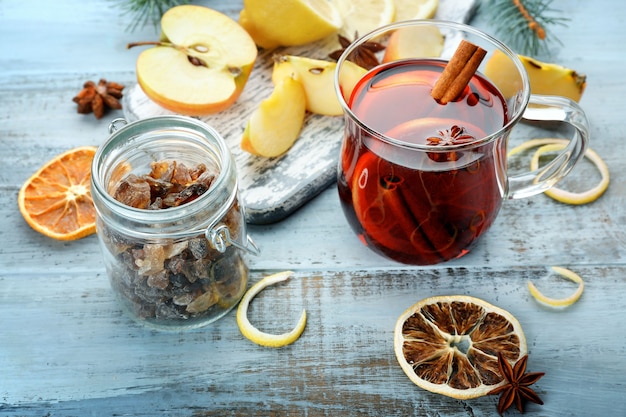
(146, 12)
(524, 25)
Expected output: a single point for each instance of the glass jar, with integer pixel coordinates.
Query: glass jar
(182, 266)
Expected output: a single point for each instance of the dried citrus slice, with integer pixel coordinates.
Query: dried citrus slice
(56, 200)
(559, 302)
(254, 334)
(415, 9)
(363, 16)
(449, 344)
(554, 144)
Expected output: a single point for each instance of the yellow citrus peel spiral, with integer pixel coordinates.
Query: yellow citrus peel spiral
(254, 334)
(559, 302)
(554, 144)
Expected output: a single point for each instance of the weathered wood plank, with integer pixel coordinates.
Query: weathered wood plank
(343, 363)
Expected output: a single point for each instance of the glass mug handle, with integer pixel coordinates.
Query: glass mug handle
(552, 109)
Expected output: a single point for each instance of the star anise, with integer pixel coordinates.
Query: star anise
(364, 55)
(456, 135)
(97, 97)
(516, 390)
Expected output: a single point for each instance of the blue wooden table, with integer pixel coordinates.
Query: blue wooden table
(66, 349)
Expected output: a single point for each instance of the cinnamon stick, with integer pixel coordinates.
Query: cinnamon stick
(458, 72)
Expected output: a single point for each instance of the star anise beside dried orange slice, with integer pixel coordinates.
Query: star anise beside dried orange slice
(464, 347)
(97, 97)
(448, 344)
(517, 387)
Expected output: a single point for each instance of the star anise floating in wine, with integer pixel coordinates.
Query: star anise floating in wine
(456, 135)
(97, 97)
(364, 55)
(516, 390)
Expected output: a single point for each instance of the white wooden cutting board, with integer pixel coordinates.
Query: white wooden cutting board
(273, 188)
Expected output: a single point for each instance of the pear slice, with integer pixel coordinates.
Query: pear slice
(201, 63)
(276, 124)
(317, 78)
(548, 79)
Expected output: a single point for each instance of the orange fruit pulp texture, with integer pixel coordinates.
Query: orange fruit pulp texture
(450, 344)
(56, 200)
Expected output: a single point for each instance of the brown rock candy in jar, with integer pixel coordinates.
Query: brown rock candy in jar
(174, 280)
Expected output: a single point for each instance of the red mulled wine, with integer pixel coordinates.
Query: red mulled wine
(422, 204)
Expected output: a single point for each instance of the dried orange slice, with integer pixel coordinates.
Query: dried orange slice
(449, 345)
(56, 200)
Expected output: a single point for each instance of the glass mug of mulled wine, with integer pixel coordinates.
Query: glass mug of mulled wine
(422, 178)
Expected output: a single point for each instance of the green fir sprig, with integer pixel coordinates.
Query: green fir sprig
(146, 12)
(524, 25)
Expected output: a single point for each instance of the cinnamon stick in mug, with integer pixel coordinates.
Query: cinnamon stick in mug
(458, 72)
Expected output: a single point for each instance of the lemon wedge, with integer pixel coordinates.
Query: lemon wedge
(254, 334)
(363, 16)
(554, 144)
(415, 9)
(559, 302)
(290, 22)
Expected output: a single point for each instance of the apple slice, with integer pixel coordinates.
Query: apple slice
(414, 42)
(276, 124)
(317, 78)
(545, 78)
(200, 65)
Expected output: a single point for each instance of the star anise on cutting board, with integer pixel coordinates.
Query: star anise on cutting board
(364, 55)
(516, 390)
(97, 97)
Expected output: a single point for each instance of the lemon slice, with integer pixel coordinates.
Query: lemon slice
(450, 344)
(291, 22)
(415, 9)
(254, 334)
(562, 302)
(553, 144)
(363, 16)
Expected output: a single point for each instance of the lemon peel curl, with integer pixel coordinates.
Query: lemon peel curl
(257, 336)
(559, 302)
(558, 194)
